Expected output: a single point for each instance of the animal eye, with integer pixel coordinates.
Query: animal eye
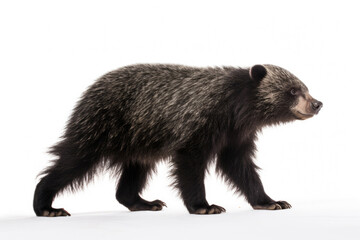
(293, 91)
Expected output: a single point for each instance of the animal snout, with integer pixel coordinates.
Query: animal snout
(316, 106)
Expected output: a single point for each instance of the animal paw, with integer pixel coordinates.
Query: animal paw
(273, 206)
(54, 212)
(213, 209)
(142, 205)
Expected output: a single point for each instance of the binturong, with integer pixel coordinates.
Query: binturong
(136, 116)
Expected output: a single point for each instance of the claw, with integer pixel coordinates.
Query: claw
(274, 206)
(161, 203)
(142, 205)
(213, 209)
(54, 212)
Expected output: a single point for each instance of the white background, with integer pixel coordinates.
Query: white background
(51, 51)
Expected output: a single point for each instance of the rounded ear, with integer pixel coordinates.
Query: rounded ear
(257, 72)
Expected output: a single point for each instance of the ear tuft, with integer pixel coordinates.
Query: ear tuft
(257, 72)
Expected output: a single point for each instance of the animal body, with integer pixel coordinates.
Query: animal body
(135, 116)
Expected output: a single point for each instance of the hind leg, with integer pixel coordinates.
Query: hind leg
(64, 173)
(45, 193)
(132, 182)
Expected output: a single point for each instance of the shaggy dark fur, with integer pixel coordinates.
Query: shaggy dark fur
(136, 116)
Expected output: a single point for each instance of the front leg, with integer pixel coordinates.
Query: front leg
(189, 171)
(235, 164)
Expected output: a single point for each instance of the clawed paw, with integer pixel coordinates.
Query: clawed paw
(141, 205)
(157, 205)
(273, 206)
(54, 212)
(213, 209)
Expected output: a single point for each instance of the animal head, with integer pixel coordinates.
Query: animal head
(281, 96)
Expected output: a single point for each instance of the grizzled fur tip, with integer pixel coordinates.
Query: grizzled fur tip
(136, 116)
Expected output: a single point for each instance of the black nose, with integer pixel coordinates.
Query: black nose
(316, 106)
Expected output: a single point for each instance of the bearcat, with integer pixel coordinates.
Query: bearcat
(138, 115)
